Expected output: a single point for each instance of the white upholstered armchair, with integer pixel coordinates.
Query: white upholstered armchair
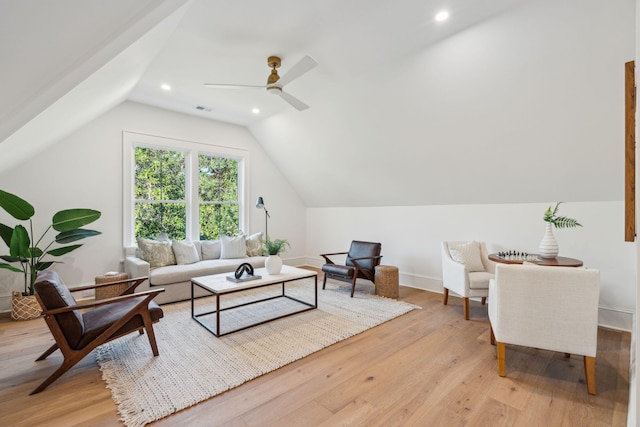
(466, 270)
(550, 308)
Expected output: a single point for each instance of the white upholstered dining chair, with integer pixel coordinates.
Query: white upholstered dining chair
(466, 271)
(550, 308)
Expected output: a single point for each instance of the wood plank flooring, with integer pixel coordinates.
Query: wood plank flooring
(427, 368)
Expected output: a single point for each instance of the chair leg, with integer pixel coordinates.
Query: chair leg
(66, 365)
(484, 300)
(466, 308)
(445, 296)
(324, 281)
(501, 353)
(48, 352)
(353, 285)
(148, 325)
(493, 337)
(590, 373)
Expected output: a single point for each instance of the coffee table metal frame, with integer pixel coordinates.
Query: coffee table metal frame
(288, 274)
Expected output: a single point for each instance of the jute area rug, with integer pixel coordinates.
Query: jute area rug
(194, 365)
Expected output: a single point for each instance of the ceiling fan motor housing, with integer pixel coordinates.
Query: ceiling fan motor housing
(274, 62)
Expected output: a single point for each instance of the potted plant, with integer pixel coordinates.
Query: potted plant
(27, 251)
(548, 246)
(273, 248)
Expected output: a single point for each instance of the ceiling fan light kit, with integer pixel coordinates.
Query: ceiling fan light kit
(275, 83)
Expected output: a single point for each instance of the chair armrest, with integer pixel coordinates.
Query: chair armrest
(137, 280)
(454, 275)
(152, 294)
(326, 256)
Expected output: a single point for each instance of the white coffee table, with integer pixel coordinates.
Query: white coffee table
(218, 285)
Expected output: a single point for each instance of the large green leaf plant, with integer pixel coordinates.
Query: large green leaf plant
(25, 250)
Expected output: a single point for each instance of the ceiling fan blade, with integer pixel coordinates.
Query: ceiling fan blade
(293, 101)
(305, 64)
(224, 86)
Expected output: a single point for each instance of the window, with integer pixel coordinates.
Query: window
(160, 203)
(219, 207)
(184, 189)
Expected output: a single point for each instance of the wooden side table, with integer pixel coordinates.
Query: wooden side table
(111, 291)
(387, 281)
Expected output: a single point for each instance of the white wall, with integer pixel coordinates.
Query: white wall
(85, 170)
(411, 239)
(524, 107)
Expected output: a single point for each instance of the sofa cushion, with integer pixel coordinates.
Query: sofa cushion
(254, 244)
(233, 247)
(210, 249)
(163, 276)
(185, 252)
(156, 253)
(467, 254)
(480, 279)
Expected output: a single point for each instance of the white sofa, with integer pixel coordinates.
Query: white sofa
(176, 279)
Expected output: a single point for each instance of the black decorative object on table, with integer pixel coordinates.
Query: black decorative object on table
(243, 273)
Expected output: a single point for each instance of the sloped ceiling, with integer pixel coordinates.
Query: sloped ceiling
(508, 101)
(66, 62)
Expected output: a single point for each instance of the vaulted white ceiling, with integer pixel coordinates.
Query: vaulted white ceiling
(508, 101)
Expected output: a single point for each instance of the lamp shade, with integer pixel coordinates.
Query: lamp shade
(260, 203)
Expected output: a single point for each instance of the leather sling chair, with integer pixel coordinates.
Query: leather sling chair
(80, 328)
(362, 259)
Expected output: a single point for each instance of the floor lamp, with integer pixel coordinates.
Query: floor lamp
(260, 205)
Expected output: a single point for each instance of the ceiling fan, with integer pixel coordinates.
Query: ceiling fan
(275, 83)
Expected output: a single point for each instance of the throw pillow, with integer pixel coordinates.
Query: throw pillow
(254, 244)
(233, 247)
(185, 252)
(211, 249)
(467, 254)
(157, 254)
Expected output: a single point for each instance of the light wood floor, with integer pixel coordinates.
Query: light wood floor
(427, 368)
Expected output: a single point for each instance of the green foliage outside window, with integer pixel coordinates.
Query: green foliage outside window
(218, 188)
(160, 200)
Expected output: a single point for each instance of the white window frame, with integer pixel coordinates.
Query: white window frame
(191, 150)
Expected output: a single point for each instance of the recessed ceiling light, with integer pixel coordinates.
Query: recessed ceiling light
(165, 87)
(256, 111)
(442, 16)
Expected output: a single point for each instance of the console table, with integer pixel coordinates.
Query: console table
(558, 261)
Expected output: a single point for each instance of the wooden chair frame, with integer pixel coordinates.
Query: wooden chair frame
(73, 356)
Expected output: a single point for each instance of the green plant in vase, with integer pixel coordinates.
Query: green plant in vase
(548, 247)
(273, 263)
(274, 247)
(27, 252)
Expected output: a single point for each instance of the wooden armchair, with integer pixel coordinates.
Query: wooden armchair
(80, 328)
(362, 259)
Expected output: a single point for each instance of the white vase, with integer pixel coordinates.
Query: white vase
(548, 246)
(273, 264)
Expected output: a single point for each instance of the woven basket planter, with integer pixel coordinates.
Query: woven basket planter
(24, 308)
